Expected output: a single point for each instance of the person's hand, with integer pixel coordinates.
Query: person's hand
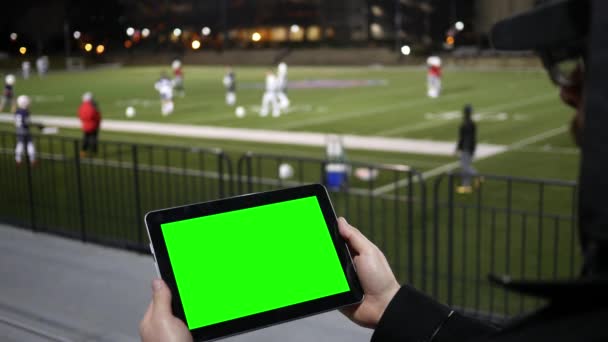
(158, 323)
(376, 277)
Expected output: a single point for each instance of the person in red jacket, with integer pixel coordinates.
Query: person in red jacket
(90, 117)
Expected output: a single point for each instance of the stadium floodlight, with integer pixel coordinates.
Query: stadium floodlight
(256, 37)
(177, 32)
(88, 47)
(459, 25)
(100, 49)
(196, 44)
(77, 34)
(294, 28)
(206, 31)
(130, 31)
(406, 50)
(23, 50)
(13, 36)
(145, 32)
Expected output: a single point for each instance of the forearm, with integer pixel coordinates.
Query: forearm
(413, 316)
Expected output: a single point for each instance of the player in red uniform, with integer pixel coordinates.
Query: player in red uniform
(90, 117)
(434, 76)
(178, 78)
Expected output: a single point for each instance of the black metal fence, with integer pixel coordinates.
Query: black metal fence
(103, 199)
(439, 241)
(522, 227)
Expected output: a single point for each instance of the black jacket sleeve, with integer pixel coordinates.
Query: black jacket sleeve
(413, 316)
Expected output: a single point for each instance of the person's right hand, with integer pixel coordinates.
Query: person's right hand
(376, 277)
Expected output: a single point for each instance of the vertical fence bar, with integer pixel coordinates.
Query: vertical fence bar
(522, 266)
(450, 254)
(137, 195)
(410, 226)
(83, 232)
(508, 239)
(492, 258)
(464, 257)
(396, 206)
(555, 247)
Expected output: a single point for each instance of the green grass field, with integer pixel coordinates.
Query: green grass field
(397, 107)
(516, 109)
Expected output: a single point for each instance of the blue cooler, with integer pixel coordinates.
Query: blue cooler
(335, 176)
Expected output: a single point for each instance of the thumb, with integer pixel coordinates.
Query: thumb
(357, 241)
(161, 298)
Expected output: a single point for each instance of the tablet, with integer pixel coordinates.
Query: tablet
(246, 262)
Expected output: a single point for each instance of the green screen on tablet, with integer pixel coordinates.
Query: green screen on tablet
(239, 263)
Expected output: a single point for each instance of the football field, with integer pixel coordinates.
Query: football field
(383, 114)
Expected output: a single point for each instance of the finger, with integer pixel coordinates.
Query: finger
(161, 299)
(353, 236)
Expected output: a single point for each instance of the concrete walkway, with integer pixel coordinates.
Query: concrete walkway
(53, 289)
(354, 142)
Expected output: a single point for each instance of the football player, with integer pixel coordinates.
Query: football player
(22, 127)
(42, 65)
(178, 77)
(26, 69)
(270, 96)
(230, 84)
(164, 86)
(7, 94)
(282, 86)
(434, 76)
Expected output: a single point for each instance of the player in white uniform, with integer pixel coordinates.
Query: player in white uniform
(282, 86)
(270, 96)
(26, 68)
(164, 86)
(230, 84)
(42, 65)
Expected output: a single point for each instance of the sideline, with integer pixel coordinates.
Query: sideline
(354, 142)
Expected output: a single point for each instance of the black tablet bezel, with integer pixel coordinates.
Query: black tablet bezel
(154, 219)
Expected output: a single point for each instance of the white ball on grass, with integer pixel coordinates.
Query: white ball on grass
(239, 112)
(130, 112)
(285, 171)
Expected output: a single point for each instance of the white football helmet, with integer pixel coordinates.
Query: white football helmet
(176, 64)
(10, 79)
(282, 68)
(23, 101)
(433, 61)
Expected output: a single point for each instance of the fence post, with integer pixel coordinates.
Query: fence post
(30, 190)
(450, 259)
(137, 194)
(220, 174)
(83, 231)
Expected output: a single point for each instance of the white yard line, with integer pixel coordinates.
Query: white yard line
(357, 114)
(355, 142)
(454, 165)
(431, 124)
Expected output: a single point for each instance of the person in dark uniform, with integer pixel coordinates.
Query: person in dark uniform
(467, 142)
(230, 85)
(22, 131)
(577, 310)
(8, 93)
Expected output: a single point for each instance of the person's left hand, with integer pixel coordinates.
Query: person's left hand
(158, 323)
